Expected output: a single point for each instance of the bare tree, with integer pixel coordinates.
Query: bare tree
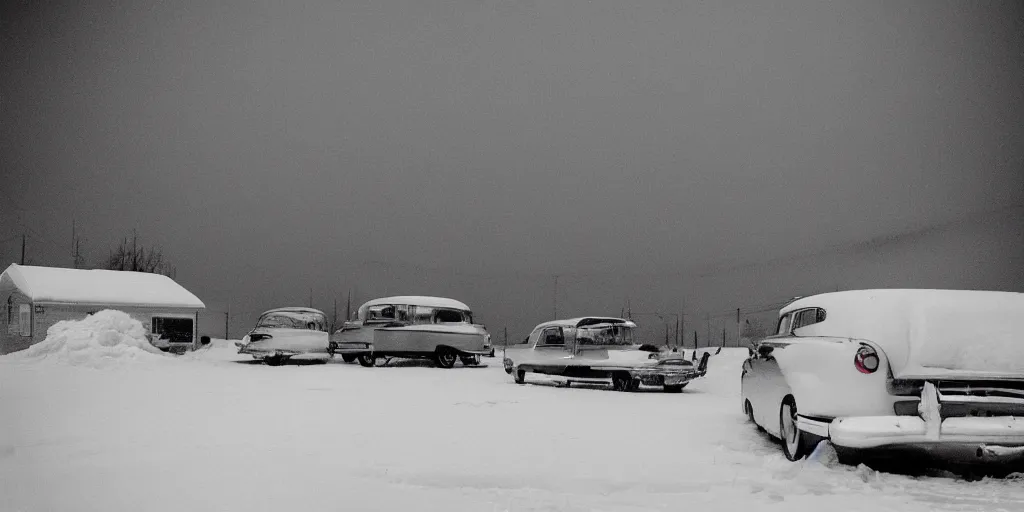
(129, 255)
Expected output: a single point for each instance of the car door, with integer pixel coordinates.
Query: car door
(767, 386)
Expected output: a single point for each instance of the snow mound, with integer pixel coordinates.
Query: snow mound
(98, 340)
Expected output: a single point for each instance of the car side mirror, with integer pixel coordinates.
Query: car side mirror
(765, 350)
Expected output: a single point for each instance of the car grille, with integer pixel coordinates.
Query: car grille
(963, 398)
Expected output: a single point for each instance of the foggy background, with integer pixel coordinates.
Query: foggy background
(667, 157)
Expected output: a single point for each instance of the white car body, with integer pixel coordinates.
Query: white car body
(438, 328)
(283, 333)
(600, 348)
(949, 376)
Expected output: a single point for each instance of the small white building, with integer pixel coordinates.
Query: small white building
(35, 298)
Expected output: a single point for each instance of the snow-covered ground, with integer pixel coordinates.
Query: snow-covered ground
(212, 430)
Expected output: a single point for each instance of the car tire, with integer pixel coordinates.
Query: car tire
(520, 377)
(623, 381)
(470, 360)
(749, 411)
(367, 360)
(795, 442)
(445, 358)
(274, 360)
(674, 388)
(348, 358)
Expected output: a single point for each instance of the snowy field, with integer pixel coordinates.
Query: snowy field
(212, 430)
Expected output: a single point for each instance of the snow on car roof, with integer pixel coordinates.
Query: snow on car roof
(902, 299)
(293, 310)
(575, 322)
(99, 287)
(418, 300)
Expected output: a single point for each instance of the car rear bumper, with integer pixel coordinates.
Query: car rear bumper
(353, 349)
(879, 431)
(663, 376)
(272, 352)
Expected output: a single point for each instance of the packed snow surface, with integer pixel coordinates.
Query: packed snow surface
(215, 431)
(97, 340)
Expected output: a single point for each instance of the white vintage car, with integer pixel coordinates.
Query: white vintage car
(435, 328)
(600, 348)
(284, 333)
(936, 371)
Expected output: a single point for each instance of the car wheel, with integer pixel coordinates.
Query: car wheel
(367, 360)
(795, 443)
(508, 366)
(623, 381)
(348, 358)
(520, 377)
(749, 411)
(674, 388)
(445, 358)
(274, 360)
(470, 360)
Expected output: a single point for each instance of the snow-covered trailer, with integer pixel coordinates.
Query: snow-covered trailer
(34, 298)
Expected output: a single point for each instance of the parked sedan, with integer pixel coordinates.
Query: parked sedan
(936, 371)
(600, 348)
(283, 333)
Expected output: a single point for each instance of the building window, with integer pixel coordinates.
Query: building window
(25, 319)
(177, 330)
(10, 309)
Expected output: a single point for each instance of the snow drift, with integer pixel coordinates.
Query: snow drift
(104, 338)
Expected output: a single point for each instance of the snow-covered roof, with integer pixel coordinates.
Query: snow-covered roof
(99, 287)
(417, 300)
(574, 322)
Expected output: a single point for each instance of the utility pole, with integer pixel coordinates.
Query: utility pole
(708, 316)
(694, 338)
(682, 321)
(334, 319)
(723, 336)
(22, 248)
(348, 306)
(675, 340)
(737, 327)
(506, 336)
(227, 315)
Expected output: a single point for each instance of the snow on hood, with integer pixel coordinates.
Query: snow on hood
(99, 340)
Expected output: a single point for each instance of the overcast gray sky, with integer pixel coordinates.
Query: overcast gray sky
(270, 147)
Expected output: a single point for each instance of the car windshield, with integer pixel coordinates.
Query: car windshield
(293, 320)
(604, 334)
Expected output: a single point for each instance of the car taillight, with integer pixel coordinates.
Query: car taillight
(866, 359)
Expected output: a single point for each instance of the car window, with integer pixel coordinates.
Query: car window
(809, 316)
(784, 323)
(380, 313)
(552, 336)
(448, 316)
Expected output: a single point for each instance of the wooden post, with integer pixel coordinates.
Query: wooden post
(23, 248)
